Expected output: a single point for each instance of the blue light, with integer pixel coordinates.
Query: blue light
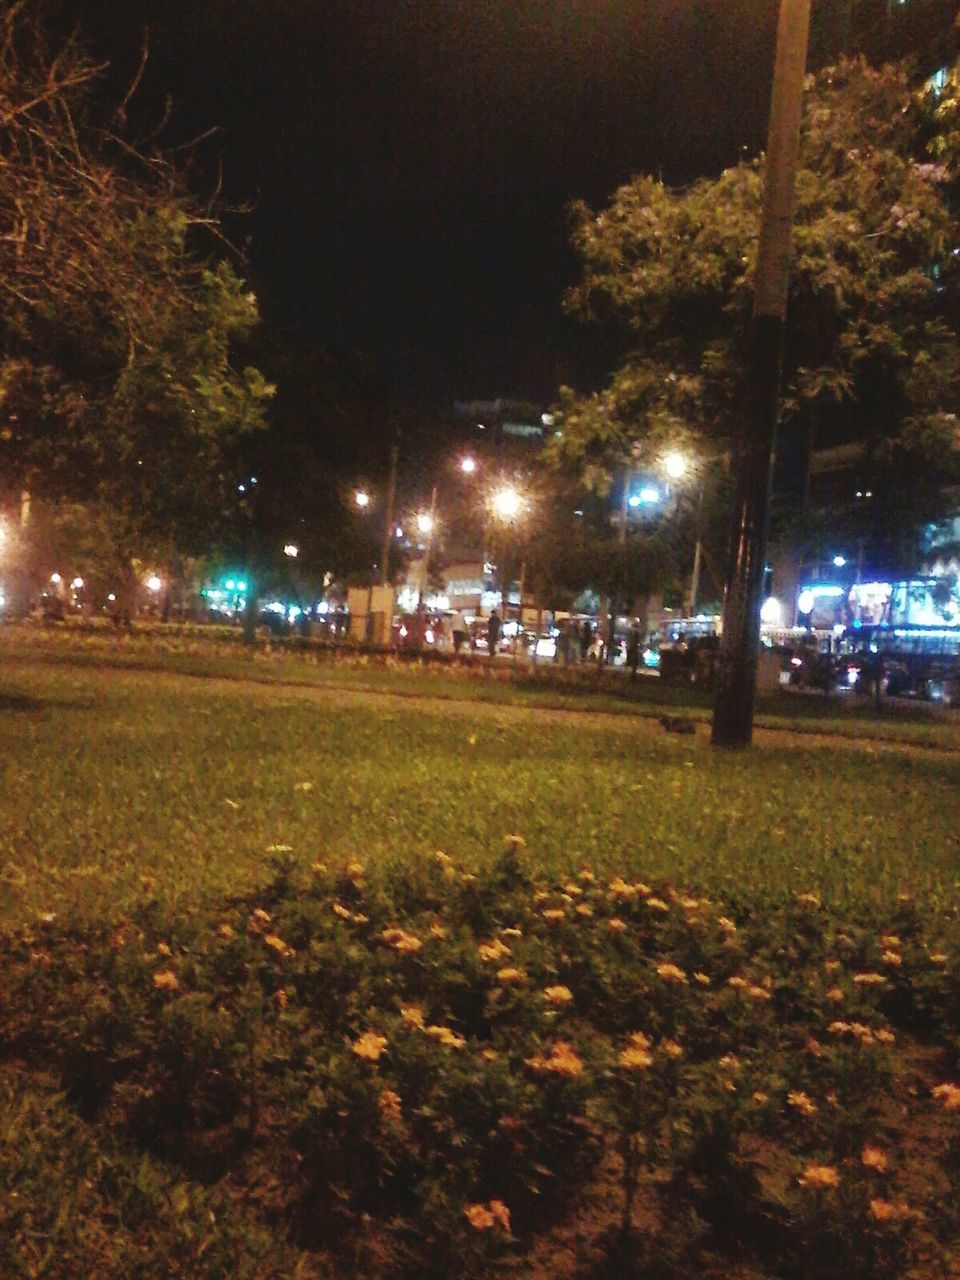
(241, 586)
(839, 561)
(230, 584)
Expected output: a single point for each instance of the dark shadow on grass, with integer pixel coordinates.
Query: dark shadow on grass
(24, 702)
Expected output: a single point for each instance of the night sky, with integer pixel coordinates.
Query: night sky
(409, 163)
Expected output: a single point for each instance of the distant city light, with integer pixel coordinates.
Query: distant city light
(839, 561)
(468, 465)
(770, 611)
(241, 586)
(111, 597)
(230, 584)
(425, 522)
(154, 583)
(77, 583)
(55, 579)
(675, 465)
(292, 550)
(398, 531)
(362, 498)
(805, 601)
(649, 493)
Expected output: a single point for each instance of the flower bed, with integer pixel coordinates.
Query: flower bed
(436, 1071)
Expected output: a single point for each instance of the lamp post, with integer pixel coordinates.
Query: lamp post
(737, 668)
(507, 505)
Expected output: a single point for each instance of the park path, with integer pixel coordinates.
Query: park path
(273, 692)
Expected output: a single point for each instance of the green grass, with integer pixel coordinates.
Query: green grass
(112, 774)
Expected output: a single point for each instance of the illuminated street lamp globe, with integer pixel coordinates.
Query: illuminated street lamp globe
(507, 503)
(154, 583)
(675, 465)
(362, 499)
(468, 465)
(292, 550)
(424, 522)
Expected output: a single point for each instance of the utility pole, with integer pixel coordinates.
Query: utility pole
(737, 668)
(388, 520)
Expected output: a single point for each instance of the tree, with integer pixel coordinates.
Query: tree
(122, 316)
(871, 354)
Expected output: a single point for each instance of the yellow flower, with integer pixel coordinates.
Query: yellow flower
(799, 1100)
(370, 1046)
(260, 916)
(672, 1048)
(449, 1039)
(166, 980)
(574, 890)
(938, 957)
(511, 975)
(726, 924)
(277, 944)
(512, 933)
(874, 1158)
(616, 924)
(225, 930)
(389, 1103)
(758, 993)
(886, 1211)
(163, 949)
(885, 1036)
(558, 996)
(889, 941)
(949, 1095)
(360, 918)
(761, 1098)
(513, 841)
(356, 870)
(562, 1061)
(835, 995)
(634, 1058)
(413, 1015)
(639, 1039)
(670, 973)
(702, 978)
(340, 910)
(281, 998)
(443, 859)
(491, 952)
(501, 1214)
(868, 979)
(657, 904)
(620, 889)
(401, 941)
(819, 1175)
(554, 913)
(587, 876)
(479, 1216)
(892, 958)
(584, 909)
(831, 966)
(808, 899)
(738, 983)
(437, 930)
(838, 1028)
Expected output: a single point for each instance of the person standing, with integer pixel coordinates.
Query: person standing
(586, 635)
(633, 648)
(494, 628)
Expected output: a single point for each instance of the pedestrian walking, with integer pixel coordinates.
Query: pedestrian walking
(586, 635)
(633, 648)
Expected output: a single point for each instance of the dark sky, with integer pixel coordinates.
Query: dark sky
(409, 163)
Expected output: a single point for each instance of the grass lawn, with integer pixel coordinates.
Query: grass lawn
(194, 1057)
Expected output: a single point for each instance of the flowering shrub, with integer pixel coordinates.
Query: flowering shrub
(438, 1065)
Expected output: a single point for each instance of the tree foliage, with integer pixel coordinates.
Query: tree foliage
(871, 351)
(122, 312)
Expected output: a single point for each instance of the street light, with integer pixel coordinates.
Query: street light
(468, 465)
(506, 503)
(675, 465)
(425, 522)
(292, 550)
(362, 499)
(154, 583)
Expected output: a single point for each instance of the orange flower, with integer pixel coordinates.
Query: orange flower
(511, 975)
(949, 1095)
(874, 1158)
(166, 980)
(887, 1211)
(562, 1061)
(479, 1217)
(369, 1046)
(801, 1102)
(616, 924)
(819, 1175)
(501, 1214)
(413, 1015)
(558, 996)
(449, 1039)
(389, 1103)
(277, 944)
(635, 1058)
(491, 952)
(670, 973)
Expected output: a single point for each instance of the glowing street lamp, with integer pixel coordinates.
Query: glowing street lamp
(425, 522)
(154, 583)
(468, 465)
(292, 550)
(77, 584)
(55, 579)
(362, 499)
(506, 503)
(675, 465)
